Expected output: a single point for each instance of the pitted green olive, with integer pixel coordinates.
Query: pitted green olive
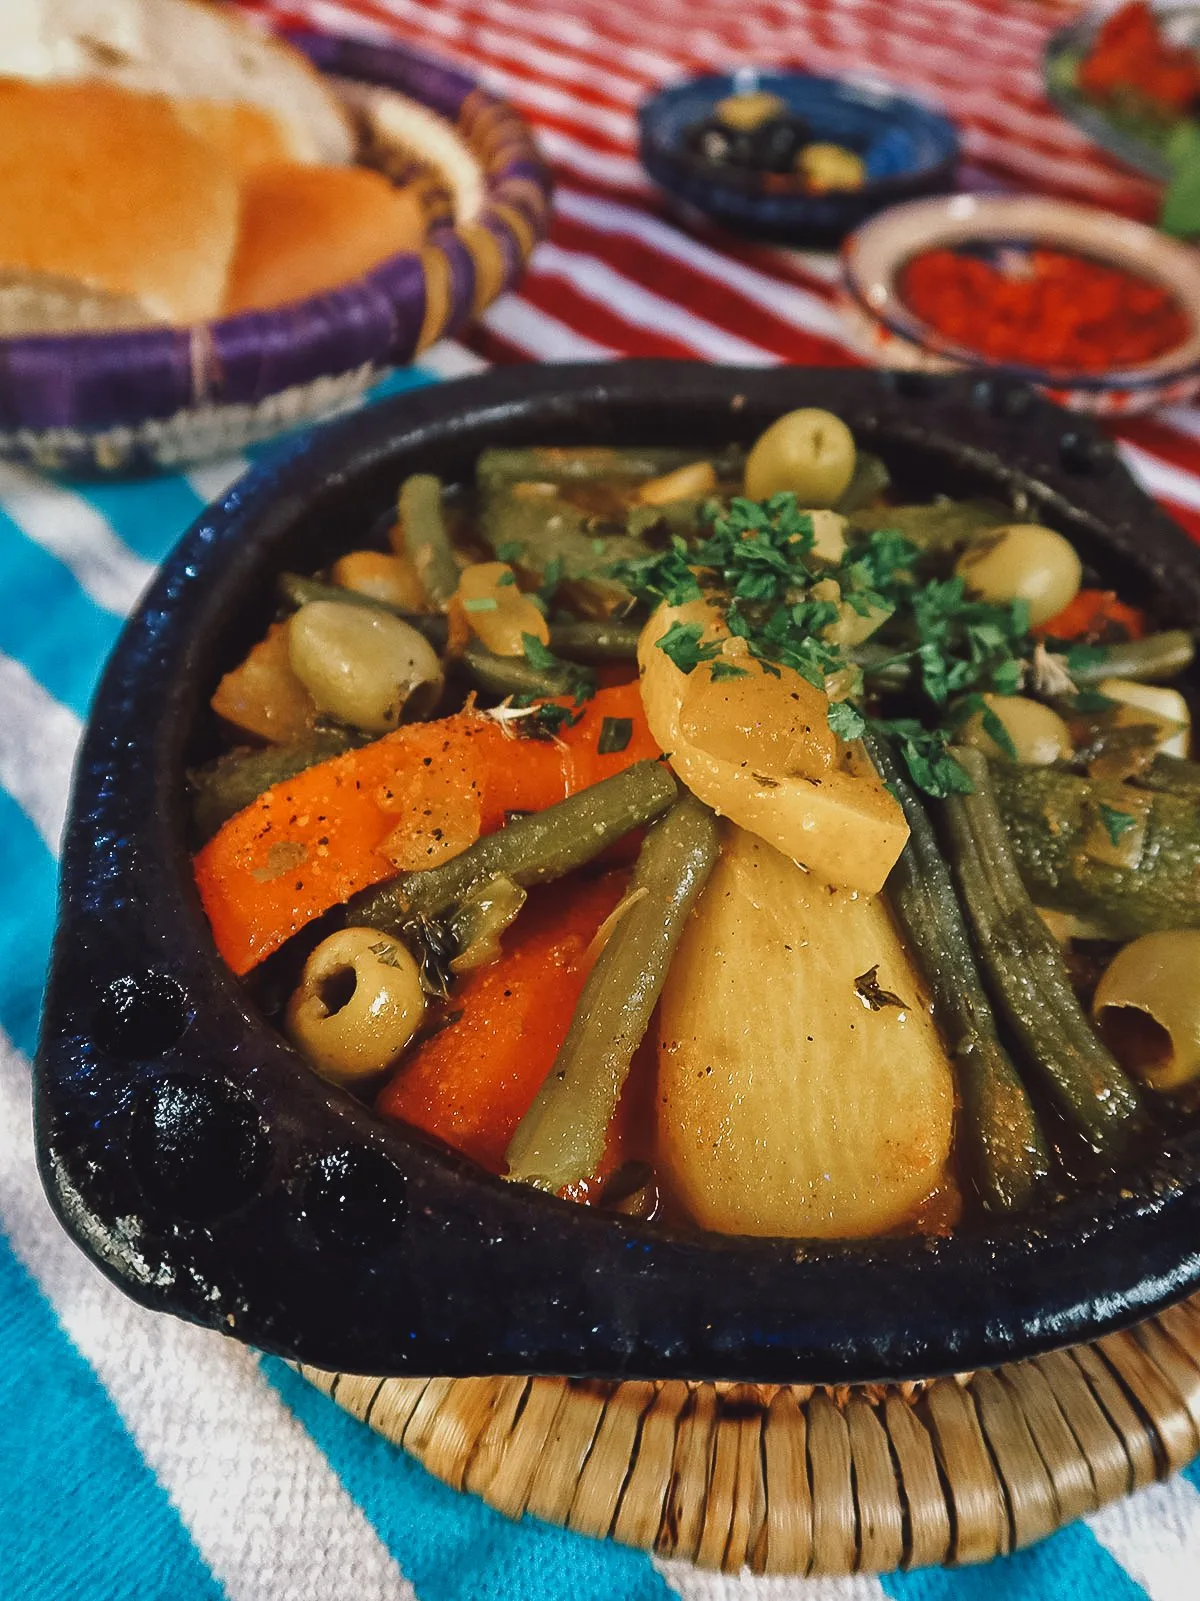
(1147, 1007)
(810, 452)
(359, 1003)
(1038, 734)
(1024, 561)
(361, 666)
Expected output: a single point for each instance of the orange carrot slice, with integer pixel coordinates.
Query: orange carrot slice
(472, 1082)
(408, 800)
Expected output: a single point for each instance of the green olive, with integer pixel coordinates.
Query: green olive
(1147, 1007)
(749, 109)
(361, 666)
(359, 1003)
(811, 452)
(1024, 561)
(829, 167)
(1039, 735)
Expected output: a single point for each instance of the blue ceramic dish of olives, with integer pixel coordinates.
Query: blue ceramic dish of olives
(905, 148)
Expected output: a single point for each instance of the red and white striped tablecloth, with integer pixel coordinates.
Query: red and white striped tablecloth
(619, 276)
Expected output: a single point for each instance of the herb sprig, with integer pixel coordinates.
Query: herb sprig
(757, 564)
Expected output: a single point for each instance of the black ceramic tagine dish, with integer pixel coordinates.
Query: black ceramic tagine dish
(201, 1163)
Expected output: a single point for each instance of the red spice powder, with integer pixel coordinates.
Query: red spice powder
(1043, 308)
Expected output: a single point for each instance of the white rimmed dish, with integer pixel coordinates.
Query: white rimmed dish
(887, 330)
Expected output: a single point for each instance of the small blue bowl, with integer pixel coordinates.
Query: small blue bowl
(907, 148)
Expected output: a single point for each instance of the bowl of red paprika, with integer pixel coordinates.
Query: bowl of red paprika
(1100, 312)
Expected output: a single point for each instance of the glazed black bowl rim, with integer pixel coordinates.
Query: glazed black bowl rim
(731, 180)
(550, 1287)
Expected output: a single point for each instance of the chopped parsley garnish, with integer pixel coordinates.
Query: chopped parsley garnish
(681, 643)
(926, 755)
(504, 580)
(536, 654)
(1116, 824)
(511, 550)
(992, 726)
(615, 734)
(1080, 657)
(756, 564)
(846, 720)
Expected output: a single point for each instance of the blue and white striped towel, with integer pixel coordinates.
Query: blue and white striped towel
(142, 1459)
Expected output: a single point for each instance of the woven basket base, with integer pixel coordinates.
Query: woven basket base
(796, 1480)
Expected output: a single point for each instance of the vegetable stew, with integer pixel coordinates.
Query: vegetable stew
(719, 837)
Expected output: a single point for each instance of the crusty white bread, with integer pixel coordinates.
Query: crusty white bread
(245, 135)
(308, 229)
(110, 190)
(188, 49)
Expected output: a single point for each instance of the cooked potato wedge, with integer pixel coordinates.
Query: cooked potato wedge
(803, 1088)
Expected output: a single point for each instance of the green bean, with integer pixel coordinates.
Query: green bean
(560, 1140)
(1120, 856)
(590, 640)
(586, 464)
(1025, 966)
(530, 850)
(869, 480)
(425, 540)
(1005, 1149)
(1151, 660)
(585, 639)
(233, 781)
(515, 675)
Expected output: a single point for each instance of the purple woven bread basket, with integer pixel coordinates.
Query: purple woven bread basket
(153, 398)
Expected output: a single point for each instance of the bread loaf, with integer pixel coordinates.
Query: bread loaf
(308, 229)
(187, 49)
(110, 191)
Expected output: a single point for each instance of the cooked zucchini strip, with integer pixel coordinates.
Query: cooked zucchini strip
(228, 785)
(426, 541)
(1124, 858)
(560, 1140)
(943, 525)
(1005, 1149)
(1175, 774)
(530, 850)
(1151, 660)
(1025, 967)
